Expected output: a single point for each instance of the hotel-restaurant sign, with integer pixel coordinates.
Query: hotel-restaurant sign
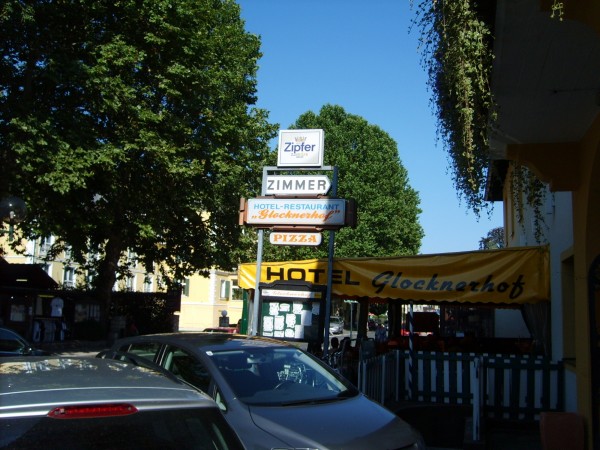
(315, 213)
(507, 276)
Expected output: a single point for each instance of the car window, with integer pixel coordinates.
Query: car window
(187, 367)
(268, 376)
(148, 350)
(10, 342)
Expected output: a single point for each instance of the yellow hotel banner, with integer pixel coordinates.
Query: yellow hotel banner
(506, 276)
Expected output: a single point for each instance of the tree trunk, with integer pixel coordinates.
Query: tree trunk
(107, 275)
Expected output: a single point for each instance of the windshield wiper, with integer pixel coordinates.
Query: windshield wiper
(316, 401)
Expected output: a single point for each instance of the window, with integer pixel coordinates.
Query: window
(91, 275)
(236, 292)
(225, 289)
(94, 312)
(148, 283)
(130, 283)
(45, 244)
(69, 277)
(187, 367)
(147, 350)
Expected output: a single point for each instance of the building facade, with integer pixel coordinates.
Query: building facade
(546, 83)
(205, 300)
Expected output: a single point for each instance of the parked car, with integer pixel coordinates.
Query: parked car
(272, 393)
(336, 325)
(90, 403)
(13, 344)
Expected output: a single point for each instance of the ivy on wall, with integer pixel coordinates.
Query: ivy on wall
(528, 194)
(457, 53)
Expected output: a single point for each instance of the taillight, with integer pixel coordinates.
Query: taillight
(90, 411)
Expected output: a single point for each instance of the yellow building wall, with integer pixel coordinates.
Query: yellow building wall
(204, 301)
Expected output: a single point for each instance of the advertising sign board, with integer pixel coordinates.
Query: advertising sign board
(300, 148)
(320, 212)
(292, 238)
(292, 311)
(297, 185)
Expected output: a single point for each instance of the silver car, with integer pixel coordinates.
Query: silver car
(275, 395)
(90, 403)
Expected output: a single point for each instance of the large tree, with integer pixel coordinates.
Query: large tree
(370, 172)
(493, 240)
(127, 126)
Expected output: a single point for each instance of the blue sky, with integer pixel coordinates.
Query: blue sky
(363, 56)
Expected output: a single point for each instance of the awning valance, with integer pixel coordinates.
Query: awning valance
(506, 276)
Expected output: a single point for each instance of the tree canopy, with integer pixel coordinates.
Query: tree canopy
(371, 172)
(129, 126)
(493, 240)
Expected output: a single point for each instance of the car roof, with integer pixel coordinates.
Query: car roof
(32, 385)
(207, 341)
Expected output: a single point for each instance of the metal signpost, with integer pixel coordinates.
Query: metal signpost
(295, 209)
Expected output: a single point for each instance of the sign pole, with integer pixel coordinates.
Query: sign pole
(329, 272)
(411, 354)
(255, 305)
(259, 254)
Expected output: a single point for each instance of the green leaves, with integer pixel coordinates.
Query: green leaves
(370, 171)
(121, 122)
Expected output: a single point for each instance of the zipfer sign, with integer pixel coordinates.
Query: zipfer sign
(507, 276)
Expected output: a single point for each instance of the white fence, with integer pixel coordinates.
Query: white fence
(511, 387)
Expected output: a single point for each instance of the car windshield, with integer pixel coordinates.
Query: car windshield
(280, 376)
(198, 428)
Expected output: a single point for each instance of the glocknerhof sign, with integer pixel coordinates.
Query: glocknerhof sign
(300, 148)
(267, 212)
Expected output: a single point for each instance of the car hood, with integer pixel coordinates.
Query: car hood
(350, 424)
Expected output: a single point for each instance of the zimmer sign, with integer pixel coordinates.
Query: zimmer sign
(297, 185)
(322, 212)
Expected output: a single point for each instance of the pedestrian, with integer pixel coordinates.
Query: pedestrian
(380, 334)
(130, 327)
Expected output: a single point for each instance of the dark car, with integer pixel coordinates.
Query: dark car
(13, 344)
(272, 393)
(90, 403)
